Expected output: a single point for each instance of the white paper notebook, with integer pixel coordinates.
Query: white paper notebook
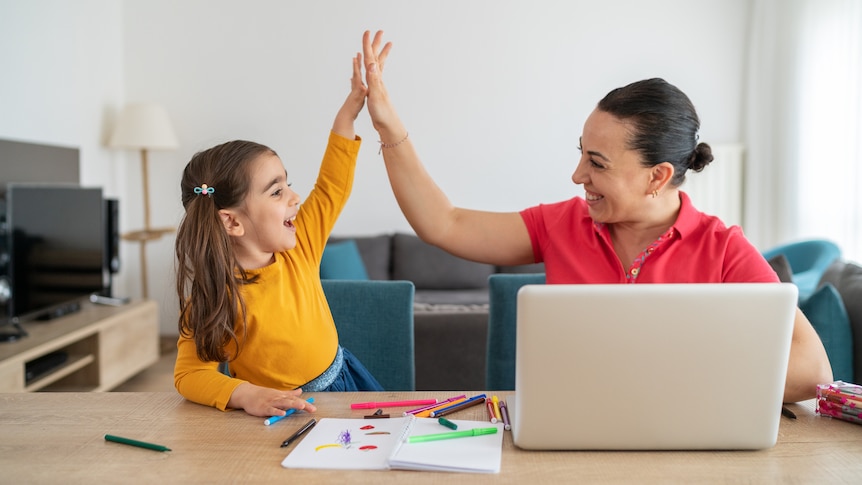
(674, 366)
(380, 444)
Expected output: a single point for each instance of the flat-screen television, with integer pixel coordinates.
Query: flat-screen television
(22, 161)
(55, 248)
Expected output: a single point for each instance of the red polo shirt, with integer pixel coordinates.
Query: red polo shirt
(698, 248)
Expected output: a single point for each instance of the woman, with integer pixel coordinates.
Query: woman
(633, 226)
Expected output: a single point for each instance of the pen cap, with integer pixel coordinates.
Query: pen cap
(481, 431)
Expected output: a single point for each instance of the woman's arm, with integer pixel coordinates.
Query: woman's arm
(490, 237)
(808, 364)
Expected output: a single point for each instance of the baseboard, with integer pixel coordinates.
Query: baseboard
(167, 344)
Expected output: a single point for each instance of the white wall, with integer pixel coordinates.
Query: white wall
(62, 83)
(494, 93)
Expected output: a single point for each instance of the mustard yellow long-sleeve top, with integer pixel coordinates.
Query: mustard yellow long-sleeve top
(291, 337)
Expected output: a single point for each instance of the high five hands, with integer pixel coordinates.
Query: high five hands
(383, 115)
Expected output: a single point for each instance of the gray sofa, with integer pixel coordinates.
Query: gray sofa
(451, 305)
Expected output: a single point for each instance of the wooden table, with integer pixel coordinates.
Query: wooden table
(59, 438)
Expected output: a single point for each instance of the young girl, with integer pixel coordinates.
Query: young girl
(248, 276)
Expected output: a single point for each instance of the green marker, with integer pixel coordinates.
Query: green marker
(449, 424)
(450, 435)
(139, 444)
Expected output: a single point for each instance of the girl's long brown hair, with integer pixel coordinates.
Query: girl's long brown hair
(208, 274)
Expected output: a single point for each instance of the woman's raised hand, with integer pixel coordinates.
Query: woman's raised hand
(383, 115)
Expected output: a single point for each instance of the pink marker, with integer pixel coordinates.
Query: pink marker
(392, 404)
(434, 405)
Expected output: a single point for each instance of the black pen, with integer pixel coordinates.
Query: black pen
(299, 432)
(788, 413)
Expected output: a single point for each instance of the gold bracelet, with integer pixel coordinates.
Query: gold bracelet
(391, 145)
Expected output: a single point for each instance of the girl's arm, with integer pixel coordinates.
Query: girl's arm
(343, 124)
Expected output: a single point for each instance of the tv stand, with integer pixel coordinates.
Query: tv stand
(60, 311)
(12, 332)
(103, 346)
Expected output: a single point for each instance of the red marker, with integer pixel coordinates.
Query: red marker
(489, 405)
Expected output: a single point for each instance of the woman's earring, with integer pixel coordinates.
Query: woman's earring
(654, 194)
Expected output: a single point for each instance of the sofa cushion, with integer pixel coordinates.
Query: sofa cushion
(847, 279)
(827, 315)
(469, 296)
(781, 267)
(430, 267)
(375, 252)
(450, 349)
(341, 261)
(522, 268)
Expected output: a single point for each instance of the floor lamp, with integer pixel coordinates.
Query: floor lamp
(144, 126)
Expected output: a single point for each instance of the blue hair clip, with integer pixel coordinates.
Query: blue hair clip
(204, 190)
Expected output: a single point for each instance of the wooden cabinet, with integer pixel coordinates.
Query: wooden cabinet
(104, 346)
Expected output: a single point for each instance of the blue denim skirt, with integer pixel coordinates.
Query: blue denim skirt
(345, 374)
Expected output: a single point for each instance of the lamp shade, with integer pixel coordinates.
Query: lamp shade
(144, 125)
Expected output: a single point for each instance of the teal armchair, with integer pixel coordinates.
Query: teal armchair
(808, 260)
(375, 322)
(502, 312)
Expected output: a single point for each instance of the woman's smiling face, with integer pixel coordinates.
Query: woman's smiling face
(614, 179)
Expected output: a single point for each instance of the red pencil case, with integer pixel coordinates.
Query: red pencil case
(840, 400)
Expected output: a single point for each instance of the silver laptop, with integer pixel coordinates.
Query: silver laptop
(651, 366)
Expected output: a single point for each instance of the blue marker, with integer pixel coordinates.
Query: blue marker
(275, 419)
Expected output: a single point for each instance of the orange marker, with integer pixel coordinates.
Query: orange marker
(427, 413)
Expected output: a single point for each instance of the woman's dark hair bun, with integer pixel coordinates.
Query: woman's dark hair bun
(701, 157)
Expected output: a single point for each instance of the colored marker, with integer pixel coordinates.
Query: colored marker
(480, 399)
(275, 419)
(452, 434)
(504, 410)
(436, 404)
(392, 404)
(449, 424)
(427, 412)
(139, 444)
(307, 426)
(496, 407)
(489, 405)
(376, 416)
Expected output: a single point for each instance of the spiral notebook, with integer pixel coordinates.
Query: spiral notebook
(380, 444)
